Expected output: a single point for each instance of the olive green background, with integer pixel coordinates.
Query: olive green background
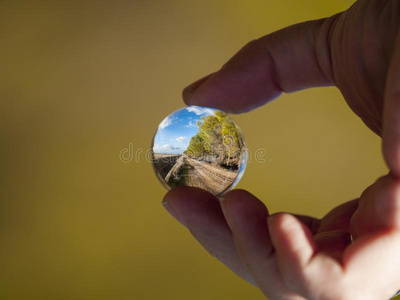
(81, 81)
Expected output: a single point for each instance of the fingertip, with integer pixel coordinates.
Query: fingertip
(276, 226)
(282, 226)
(188, 91)
(273, 220)
(190, 205)
(240, 204)
(185, 193)
(246, 216)
(291, 239)
(281, 221)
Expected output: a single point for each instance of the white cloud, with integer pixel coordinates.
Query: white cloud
(166, 122)
(167, 148)
(198, 110)
(191, 124)
(181, 139)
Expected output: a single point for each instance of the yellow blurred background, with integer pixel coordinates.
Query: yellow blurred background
(80, 81)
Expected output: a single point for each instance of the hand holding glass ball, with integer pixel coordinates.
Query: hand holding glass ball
(352, 252)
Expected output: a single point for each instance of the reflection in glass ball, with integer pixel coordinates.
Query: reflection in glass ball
(200, 147)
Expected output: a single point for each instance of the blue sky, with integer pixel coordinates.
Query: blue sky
(176, 130)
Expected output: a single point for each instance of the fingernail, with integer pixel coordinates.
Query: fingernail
(171, 211)
(271, 218)
(166, 204)
(222, 202)
(192, 87)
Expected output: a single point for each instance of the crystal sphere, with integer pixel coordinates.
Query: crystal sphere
(199, 147)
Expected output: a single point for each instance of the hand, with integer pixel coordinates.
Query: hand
(297, 257)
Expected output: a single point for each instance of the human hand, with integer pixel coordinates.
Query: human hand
(356, 51)
(301, 257)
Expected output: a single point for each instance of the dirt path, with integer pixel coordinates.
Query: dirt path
(179, 170)
(208, 176)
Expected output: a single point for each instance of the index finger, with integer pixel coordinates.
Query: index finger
(291, 59)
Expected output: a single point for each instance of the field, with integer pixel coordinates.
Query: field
(181, 169)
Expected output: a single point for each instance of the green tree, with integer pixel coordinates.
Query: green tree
(196, 147)
(218, 138)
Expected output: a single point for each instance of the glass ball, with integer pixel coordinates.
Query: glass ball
(199, 147)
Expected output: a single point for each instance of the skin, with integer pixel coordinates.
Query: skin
(300, 257)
